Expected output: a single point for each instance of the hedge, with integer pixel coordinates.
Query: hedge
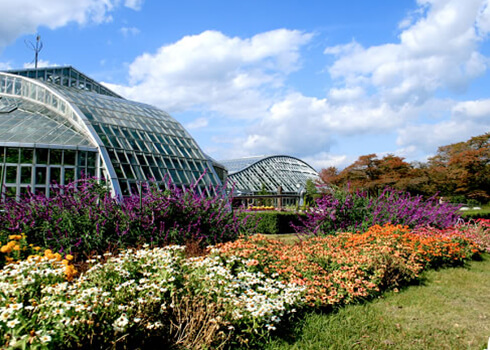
(274, 222)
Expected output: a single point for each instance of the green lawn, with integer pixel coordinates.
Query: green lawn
(450, 309)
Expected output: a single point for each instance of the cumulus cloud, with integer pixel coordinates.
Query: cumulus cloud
(22, 17)
(392, 88)
(228, 75)
(324, 160)
(438, 50)
(304, 125)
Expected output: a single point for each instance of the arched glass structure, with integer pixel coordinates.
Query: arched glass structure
(253, 174)
(56, 124)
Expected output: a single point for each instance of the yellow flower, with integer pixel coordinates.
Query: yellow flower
(69, 257)
(5, 249)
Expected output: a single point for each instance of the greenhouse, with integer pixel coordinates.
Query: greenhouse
(58, 125)
(268, 174)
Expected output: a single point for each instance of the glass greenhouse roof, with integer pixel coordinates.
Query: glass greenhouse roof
(136, 142)
(253, 174)
(25, 122)
(65, 76)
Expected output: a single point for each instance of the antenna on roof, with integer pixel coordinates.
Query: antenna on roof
(35, 47)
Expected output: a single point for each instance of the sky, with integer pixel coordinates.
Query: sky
(325, 81)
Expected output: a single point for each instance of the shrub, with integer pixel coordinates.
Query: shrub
(82, 217)
(342, 211)
(273, 222)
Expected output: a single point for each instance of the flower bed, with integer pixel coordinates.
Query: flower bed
(344, 268)
(233, 296)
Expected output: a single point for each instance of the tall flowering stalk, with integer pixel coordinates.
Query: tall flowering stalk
(340, 211)
(84, 218)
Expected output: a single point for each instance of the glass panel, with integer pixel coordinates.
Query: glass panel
(41, 156)
(132, 158)
(82, 157)
(40, 190)
(125, 188)
(91, 158)
(12, 155)
(141, 159)
(40, 176)
(11, 192)
(25, 175)
(11, 177)
(119, 171)
(55, 175)
(24, 191)
(122, 157)
(70, 157)
(90, 172)
(69, 175)
(55, 156)
(137, 172)
(147, 173)
(26, 155)
(156, 174)
(128, 171)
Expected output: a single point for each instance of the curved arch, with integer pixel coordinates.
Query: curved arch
(271, 172)
(37, 92)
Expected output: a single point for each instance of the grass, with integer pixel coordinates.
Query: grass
(449, 309)
(289, 238)
(483, 212)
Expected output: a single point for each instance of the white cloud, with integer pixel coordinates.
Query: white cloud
(227, 75)
(324, 160)
(199, 123)
(22, 17)
(5, 66)
(40, 63)
(129, 31)
(478, 110)
(134, 4)
(436, 51)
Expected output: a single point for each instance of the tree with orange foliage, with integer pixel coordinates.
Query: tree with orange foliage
(463, 169)
(460, 170)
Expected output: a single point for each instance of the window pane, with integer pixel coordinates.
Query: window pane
(40, 176)
(69, 157)
(55, 175)
(11, 192)
(91, 158)
(12, 155)
(55, 156)
(82, 157)
(40, 190)
(25, 175)
(26, 155)
(41, 156)
(69, 175)
(11, 177)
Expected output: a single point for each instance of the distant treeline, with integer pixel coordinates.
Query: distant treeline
(459, 172)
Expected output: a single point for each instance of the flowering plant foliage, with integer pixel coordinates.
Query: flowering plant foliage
(139, 296)
(83, 217)
(343, 211)
(348, 267)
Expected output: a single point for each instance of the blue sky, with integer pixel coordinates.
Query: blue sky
(325, 81)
